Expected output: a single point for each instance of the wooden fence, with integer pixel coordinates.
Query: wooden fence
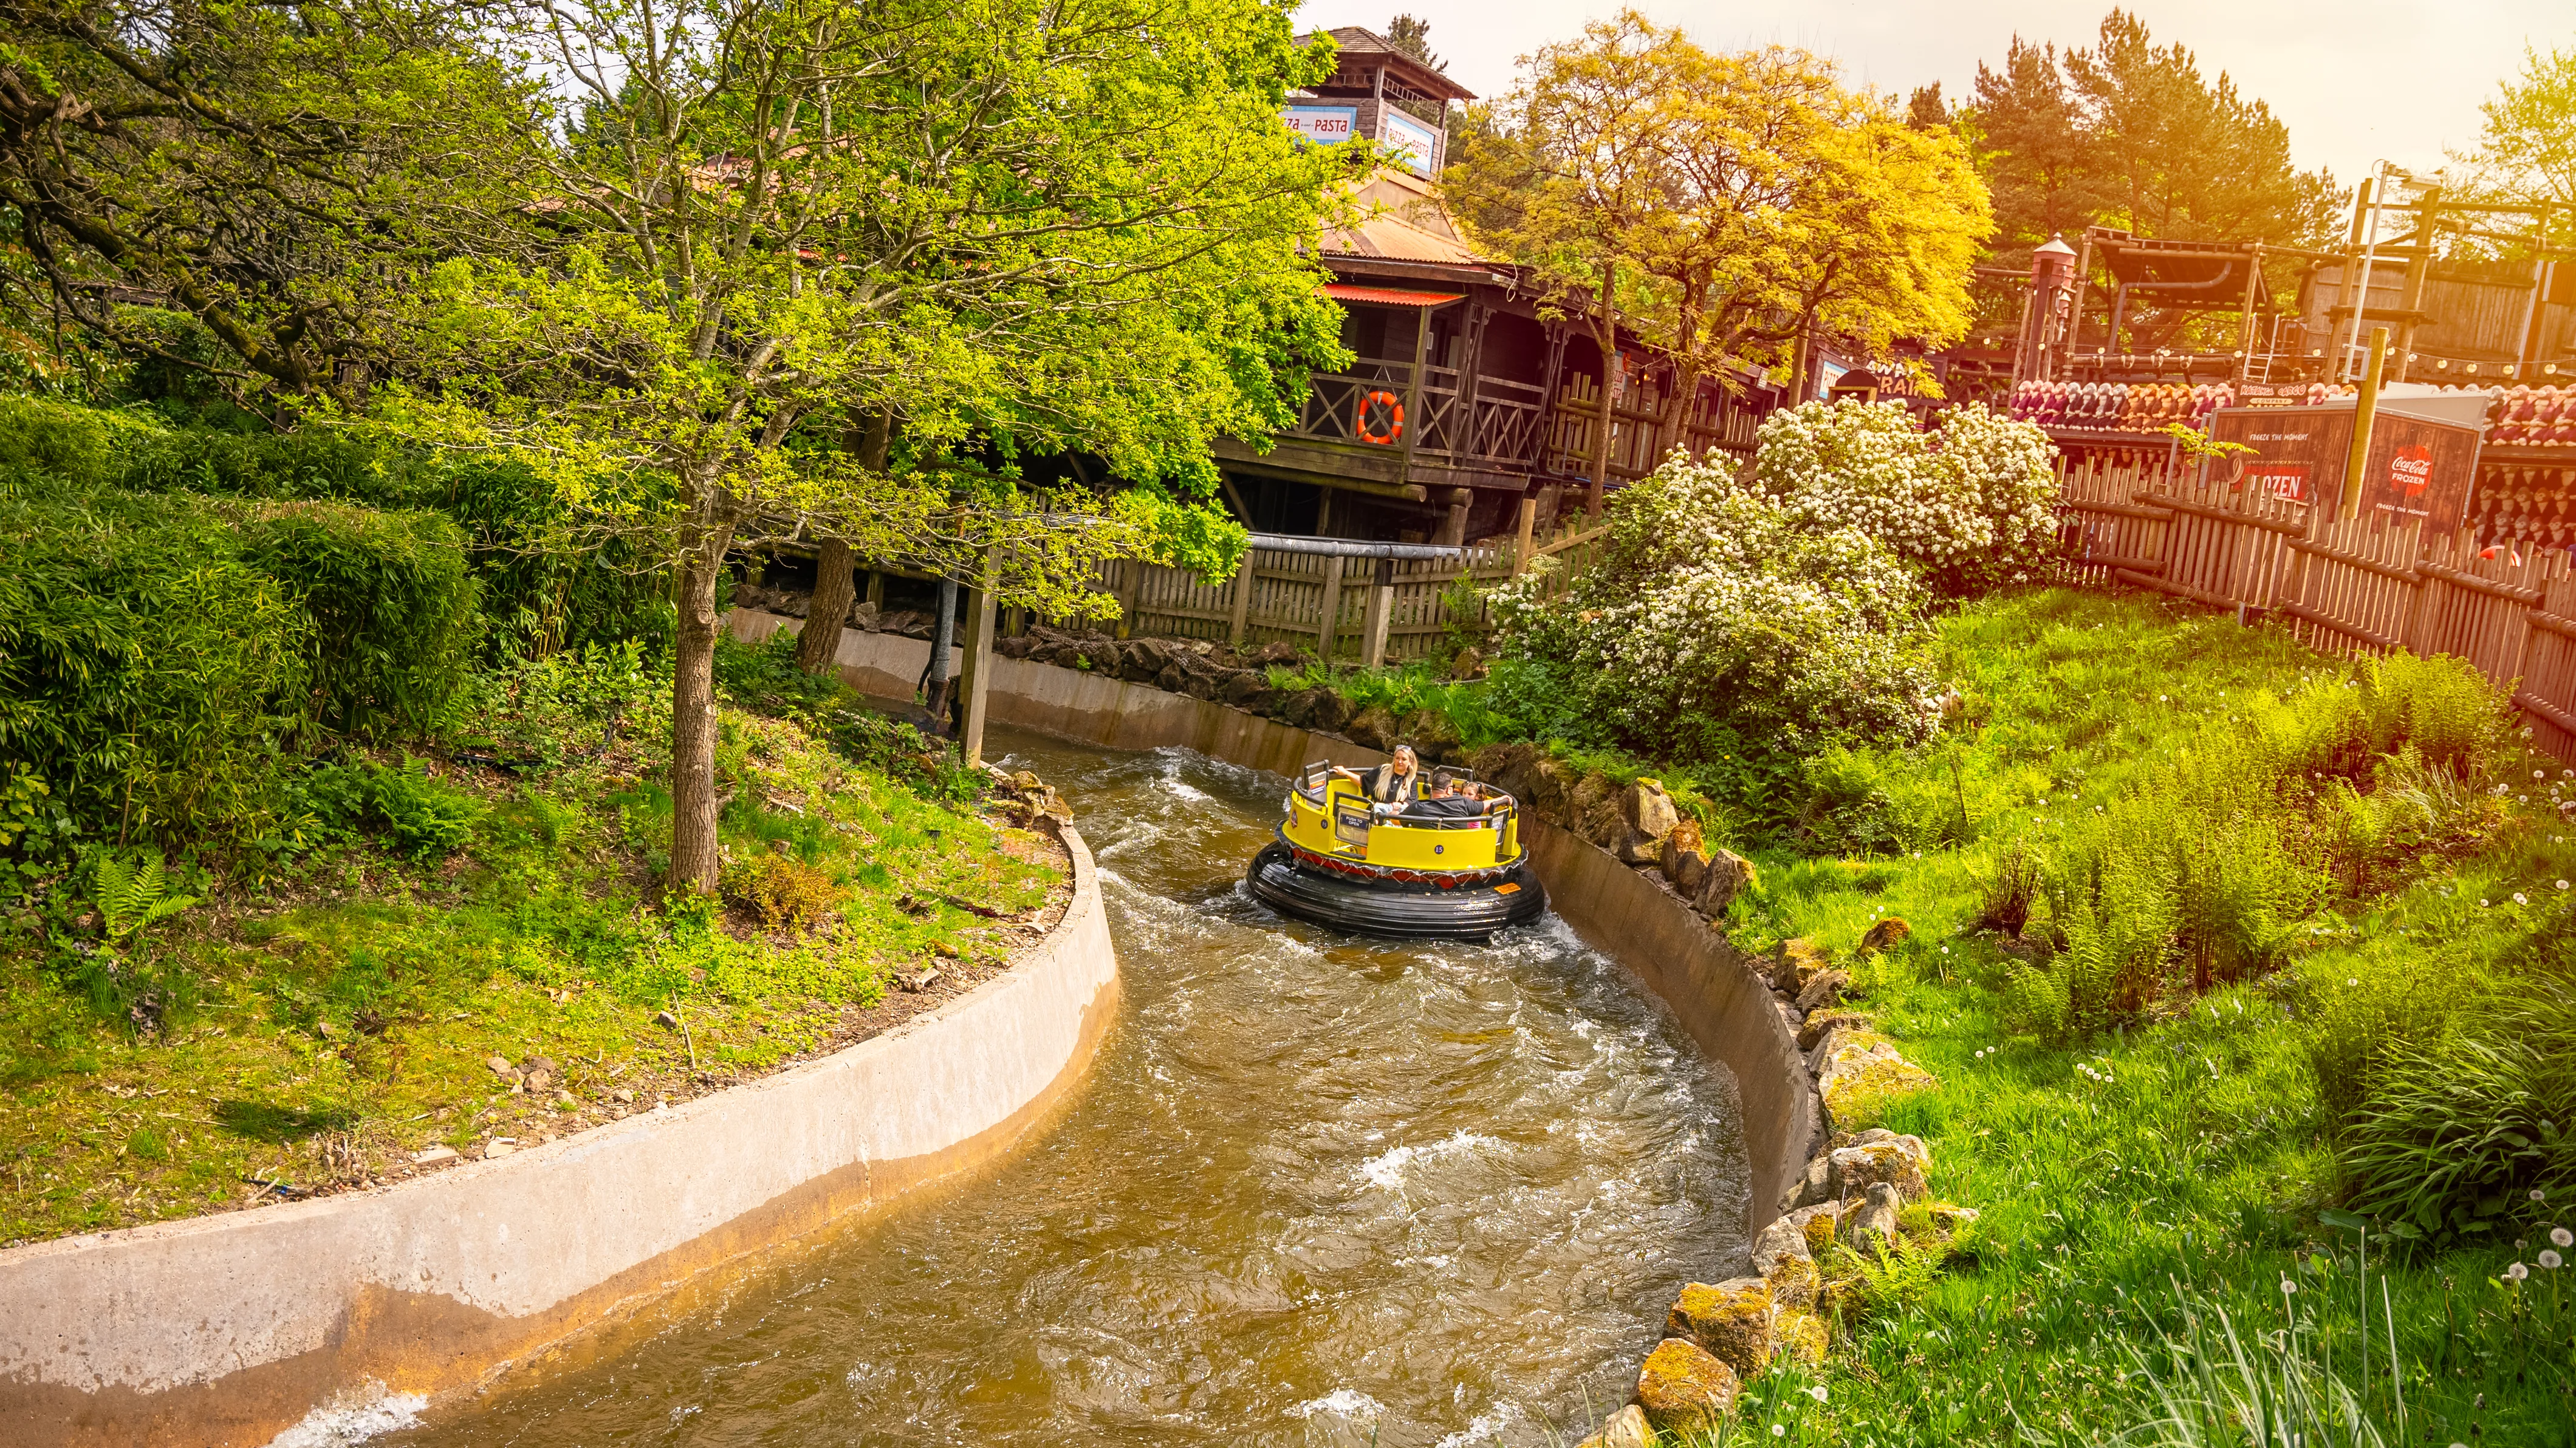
(2350, 586)
(1382, 611)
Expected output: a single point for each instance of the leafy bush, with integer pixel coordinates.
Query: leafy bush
(149, 673)
(391, 603)
(1972, 502)
(1713, 615)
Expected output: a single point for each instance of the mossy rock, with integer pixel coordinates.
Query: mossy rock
(1800, 1337)
(1685, 1389)
(1863, 1077)
(1793, 1282)
(1732, 1320)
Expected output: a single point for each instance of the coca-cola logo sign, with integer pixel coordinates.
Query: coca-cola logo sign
(2410, 471)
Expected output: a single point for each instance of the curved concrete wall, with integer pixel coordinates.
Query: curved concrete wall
(229, 1329)
(1623, 912)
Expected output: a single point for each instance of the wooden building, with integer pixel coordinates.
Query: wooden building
(1463, 400)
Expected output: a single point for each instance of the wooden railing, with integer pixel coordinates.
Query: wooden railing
(2349, 586)
(1494, 423)
(1278, 595)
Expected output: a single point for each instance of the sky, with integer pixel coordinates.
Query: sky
(2356, 82)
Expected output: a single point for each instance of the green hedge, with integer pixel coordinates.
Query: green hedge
(163, 654)
(391, 606)
(541, 588)
(150, 674)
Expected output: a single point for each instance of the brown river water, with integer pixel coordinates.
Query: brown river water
(1314, 1190)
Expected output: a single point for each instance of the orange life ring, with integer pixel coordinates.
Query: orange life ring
(1395, 417)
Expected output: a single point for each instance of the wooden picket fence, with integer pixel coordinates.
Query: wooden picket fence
(2143, 519)
(1279, 595)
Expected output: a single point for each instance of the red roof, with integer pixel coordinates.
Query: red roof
(1388, 296)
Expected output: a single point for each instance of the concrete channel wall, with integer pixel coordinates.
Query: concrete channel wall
(230, 1329)
(1623, 912)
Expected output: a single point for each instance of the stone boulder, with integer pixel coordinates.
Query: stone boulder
(1816, 1183)
(1732, 1320)
(1172, 680)
(1626, 1428)
(1872, 1227)
(1781, 1257)
(1332, 712)
(1817, 1223)
(1684, 859)
(1799, 962)
(1242, 686)
(1434, 737)
(1815, 1027)
(1469, 664)
(1885, 933)
(1592, 810)
(1646, 818)
(1863, 1074)
(1103, 656)
(1879, 1157)
(1375, 727)
(1729, 875)
(1822, 989)
(1800, 1337)
(1683, 1389)
(1529, 774)
(1141, 661)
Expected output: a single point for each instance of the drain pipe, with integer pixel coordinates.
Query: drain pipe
(1343, 548)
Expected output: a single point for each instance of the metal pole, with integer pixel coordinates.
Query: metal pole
(2358, 458)
(2369, 253)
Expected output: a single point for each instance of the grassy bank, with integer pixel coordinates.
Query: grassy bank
(314, 1015)
(2215, 1207)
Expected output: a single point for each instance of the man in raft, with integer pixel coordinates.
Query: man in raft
(1453, 799)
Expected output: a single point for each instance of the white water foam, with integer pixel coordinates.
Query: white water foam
(353, 1417)
(1387, 1168)
(1341, 1403)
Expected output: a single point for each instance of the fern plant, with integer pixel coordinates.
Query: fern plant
(132, 894)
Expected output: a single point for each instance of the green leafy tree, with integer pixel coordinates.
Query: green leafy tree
(2129, 133)
(970, 234)
(2032, 150)
(1729, 202)
(2527, 148)
(259, 171)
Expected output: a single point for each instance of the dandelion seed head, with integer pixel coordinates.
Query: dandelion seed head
(2516, 1273)
(2561, 1237)
(2550, 1259)
(1816, 1393)
(2521, 899)
(1777, 1430)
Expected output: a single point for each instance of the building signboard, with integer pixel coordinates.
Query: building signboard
(1417, 143)
(2419, 470)
(1324, 125)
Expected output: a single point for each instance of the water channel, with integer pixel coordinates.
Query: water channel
(1314, 1190)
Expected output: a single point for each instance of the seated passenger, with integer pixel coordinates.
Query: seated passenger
(1397, 782)
(1445, 801)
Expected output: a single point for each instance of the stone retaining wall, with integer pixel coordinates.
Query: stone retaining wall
(1720, 995)
(230, 1329)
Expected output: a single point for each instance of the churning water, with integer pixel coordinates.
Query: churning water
(1314, 1190)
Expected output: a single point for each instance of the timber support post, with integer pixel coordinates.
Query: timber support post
(1381, 604)
(1521, 536)
(1242, 602)
(979, 661)
(1332, 608)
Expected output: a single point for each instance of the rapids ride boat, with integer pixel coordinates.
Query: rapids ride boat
(1378, 869)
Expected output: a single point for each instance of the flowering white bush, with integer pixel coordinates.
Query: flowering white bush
(1715, 618)
(1970, 502)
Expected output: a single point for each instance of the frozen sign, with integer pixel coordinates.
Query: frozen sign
(1323, 125)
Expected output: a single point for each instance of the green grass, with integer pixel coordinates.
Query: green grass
(2150, 1181)
(318, 1019)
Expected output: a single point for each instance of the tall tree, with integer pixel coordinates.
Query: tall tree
(263, 171)
(2129, 133)
(2178, 156)
(1001, 228)
(2034, 150)
(2527, 148)
(1743, 197)
(1569, 172)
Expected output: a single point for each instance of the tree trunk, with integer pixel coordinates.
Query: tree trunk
(1606, 334)
(835, 589)
(696, 858)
